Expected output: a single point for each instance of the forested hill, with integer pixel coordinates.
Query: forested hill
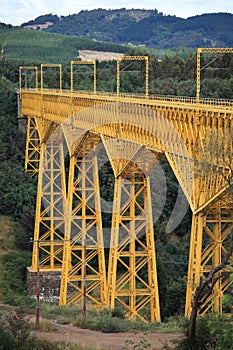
(148, 27)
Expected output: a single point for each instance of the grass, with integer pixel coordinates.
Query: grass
(7, 236)
(63, 314)
(174, 324)
(33, 46)
(45, 326)
(105, 320)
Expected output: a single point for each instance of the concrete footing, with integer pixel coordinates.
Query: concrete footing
(49, 282)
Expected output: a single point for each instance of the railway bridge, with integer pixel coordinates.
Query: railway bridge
(66, 132)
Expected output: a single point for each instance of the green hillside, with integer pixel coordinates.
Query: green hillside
(36, 47)
(144, 27)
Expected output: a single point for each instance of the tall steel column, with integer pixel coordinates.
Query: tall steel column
(132, 274)
(49, 221)
(83, 270)
(210, 234)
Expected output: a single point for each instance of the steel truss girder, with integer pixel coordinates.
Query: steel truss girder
(50, 206)
(132, 273)
(210, 235)
(32, 156)
(83, 269)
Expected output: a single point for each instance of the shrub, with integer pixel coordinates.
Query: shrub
(118, 312)
(15, 334)
(14, 288)
(212, 333)
(14, 331)
(109, 324)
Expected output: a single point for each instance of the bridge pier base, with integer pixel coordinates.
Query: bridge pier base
(49, 284)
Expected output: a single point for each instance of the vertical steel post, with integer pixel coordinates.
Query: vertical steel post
(94, 62)
(194, 269)
(38, 287)
(71, 77)
(41, 78)
(147, 76)
(60, 66)
(84, 281)
(118, 75)
(198, 86)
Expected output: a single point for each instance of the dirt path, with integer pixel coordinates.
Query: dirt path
(114, 341)
(89, 55)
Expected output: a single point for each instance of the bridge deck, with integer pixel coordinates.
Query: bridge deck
(191, 103)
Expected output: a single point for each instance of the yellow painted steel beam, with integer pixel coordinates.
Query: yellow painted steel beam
(72, 63)
(32, 155)
(51, 193)
(204, 113)
(24, 69)
(132, 275)
(207, 50)
(83, 269)
(210, 234)
(48, 65)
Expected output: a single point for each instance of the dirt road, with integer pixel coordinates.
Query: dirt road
(114, 341)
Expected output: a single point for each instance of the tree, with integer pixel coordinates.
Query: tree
(17, 189)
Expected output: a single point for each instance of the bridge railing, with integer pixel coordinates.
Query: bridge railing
(163, 99)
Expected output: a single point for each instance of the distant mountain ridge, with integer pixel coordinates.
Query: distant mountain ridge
(142, 27)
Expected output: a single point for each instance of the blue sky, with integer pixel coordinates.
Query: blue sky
(16, 12)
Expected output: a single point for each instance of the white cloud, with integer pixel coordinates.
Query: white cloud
(190, 8)
(16, 12)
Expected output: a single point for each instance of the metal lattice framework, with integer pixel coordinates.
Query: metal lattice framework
(132, 275)
(210, 231)
(136, 132)
(84, 236)
(50, 206)
(32, 156)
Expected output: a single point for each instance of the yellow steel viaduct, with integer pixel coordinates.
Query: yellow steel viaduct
(136, 131)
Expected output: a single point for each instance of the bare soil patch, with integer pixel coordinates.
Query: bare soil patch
(114, 341)
(90, 55)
